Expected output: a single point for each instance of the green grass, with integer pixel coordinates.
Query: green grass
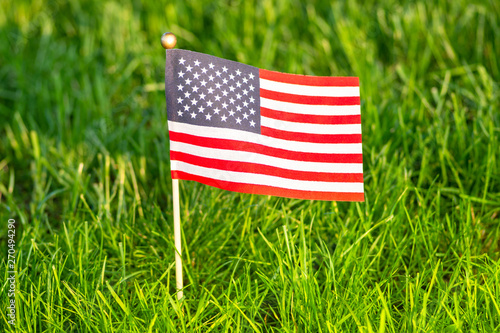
(85, 172)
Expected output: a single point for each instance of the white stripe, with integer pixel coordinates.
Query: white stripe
(310, 128)
(298, 89)
(243, 156)
(320, 110)
(258, 179)
(230, 134)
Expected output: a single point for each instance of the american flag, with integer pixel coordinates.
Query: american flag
(250, 130)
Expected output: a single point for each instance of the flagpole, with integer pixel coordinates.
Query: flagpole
(177, 238)
(168, 41)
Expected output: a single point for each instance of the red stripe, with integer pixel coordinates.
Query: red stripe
(265, 150)
(339, 81)
(307, 137)
(269, 190)
(310, 119)
(266, 169)
(310, 100)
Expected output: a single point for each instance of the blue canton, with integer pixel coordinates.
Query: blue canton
(209, 91)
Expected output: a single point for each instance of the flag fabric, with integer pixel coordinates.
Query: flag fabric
(250, 130)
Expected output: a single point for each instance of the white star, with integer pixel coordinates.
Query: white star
(245, 80)
(231, 113)
(238, 84)
(208, 116)
(224, 69)
(204, 70)
(179, 100)
(231, 88)
(195, 89)
(224, 105)
(245, 115)
(216, 110)
(189, 68)
(252, 99)
(188, 81)
(211, 66)
(231, 100)
(210, 90)
(251, 76)
(180, 87)
(238, 96)
(196, 76)
(238, 108)
(224, 93)
(211, 77)
(194, 101)
(224, 81)
(217, 73)
(231, 76)
(202, 96)
(245, 103)
(201, 109)
(238, 72)
(252, 111)
(196, 63)
(245, 91)
(203, 82)
(186, 107)
(179, 113)
(193, 115)
(252, 123)
(217, 98)
(181, 61)
(217, 85)
(209, 103)
(223, 118)
(251, 87)
(181, 74)
(238, 120)
(187, 93)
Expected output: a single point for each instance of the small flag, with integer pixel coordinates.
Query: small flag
(250, 130)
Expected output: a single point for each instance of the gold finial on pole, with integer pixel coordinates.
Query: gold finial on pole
(168, 40)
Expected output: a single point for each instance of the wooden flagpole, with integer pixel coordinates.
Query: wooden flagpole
(168, 41)
(177, 237)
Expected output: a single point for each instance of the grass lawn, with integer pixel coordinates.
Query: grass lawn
(84, 172)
